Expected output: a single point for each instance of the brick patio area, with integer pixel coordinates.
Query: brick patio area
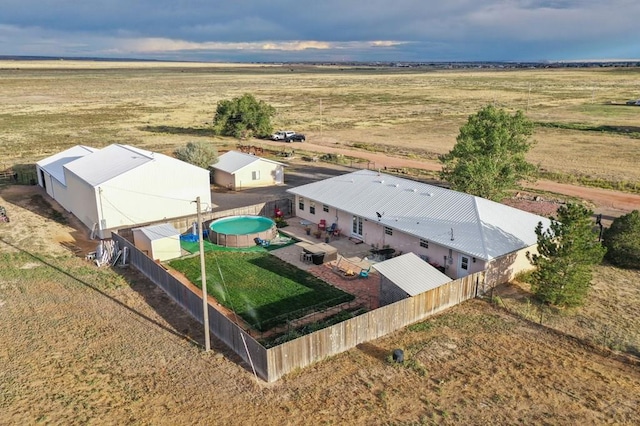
(366, 290)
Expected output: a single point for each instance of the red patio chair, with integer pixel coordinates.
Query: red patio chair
(322, 226)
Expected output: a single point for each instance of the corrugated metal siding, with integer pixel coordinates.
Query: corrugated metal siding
(155, 232)
(54, 165)
(108, 163)
(234, 161)
(156, 190)
(411, 274)
(462, 222)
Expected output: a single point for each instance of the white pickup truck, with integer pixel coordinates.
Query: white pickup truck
(282, 135)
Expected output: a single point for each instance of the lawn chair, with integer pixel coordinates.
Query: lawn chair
(333, 230)
(260, 242)
(322, 226)
(364, 273)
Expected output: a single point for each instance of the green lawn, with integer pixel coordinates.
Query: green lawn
(264, 290)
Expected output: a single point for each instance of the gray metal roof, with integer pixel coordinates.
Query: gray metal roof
(233, 161)
(411, 274)
(109, 162)
(54, 165)
(157, 232)
(462, 222)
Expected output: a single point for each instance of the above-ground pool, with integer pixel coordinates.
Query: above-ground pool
(241, 231)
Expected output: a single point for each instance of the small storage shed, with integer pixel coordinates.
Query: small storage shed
(159, 242)
(406, 276)
(236, 170)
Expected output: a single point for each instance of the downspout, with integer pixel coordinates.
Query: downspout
(101, 215)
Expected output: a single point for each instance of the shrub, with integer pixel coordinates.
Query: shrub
(622, 241)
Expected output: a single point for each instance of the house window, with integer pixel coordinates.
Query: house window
(464, 263)
(325, 208)
(424, 243)
(255, 175)
(300, 203)
(312, 208)
(388, 230)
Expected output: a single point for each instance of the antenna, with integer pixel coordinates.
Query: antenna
(452, 234)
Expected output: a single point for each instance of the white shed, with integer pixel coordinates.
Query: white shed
(236, 170)
(120, 185)
(406, 276)
(159, 242)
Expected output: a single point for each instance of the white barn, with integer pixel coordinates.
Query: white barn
(120, 186)
(457, 233)
(236, 170)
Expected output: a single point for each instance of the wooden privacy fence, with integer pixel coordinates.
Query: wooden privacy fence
(271, 364)
(341, 337)
(184, 223)
(189, 298)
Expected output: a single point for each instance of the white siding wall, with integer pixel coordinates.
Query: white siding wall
(152, 192)
(166, 248)
(142, 242)
(373, 234)
(266, 173)
(224, 179)
(81, 200)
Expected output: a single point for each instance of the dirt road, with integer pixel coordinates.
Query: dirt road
(610, 203)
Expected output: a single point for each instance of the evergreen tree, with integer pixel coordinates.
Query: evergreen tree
(567, 251)
(488, 158)
(622, 241)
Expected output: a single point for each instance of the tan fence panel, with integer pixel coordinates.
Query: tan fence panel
(190, 300)
(338, 338)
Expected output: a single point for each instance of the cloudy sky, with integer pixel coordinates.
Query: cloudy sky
(323, 30)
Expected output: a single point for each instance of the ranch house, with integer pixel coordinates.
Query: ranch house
(457, 233)
(120, 185)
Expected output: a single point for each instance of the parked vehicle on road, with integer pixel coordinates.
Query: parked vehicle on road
(296, 137)
(282, 135)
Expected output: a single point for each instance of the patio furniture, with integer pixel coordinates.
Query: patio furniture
(322, 226)
(333, 230)
(306, 257)
(260, 242)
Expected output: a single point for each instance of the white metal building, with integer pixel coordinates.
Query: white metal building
(406, 276)
(120, 185)
(236, 170)
(459, 233)
(159, 242)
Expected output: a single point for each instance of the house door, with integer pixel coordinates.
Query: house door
(356, 230)
(279, 176)
(463, 266)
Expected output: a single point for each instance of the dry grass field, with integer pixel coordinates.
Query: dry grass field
(53, 105)
(85, 345)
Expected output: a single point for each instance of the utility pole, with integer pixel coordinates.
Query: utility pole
(205, 304)
(320, 119)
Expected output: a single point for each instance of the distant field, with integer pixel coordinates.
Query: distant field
(48, 106)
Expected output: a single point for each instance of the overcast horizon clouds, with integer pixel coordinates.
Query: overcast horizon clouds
(331, 30)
